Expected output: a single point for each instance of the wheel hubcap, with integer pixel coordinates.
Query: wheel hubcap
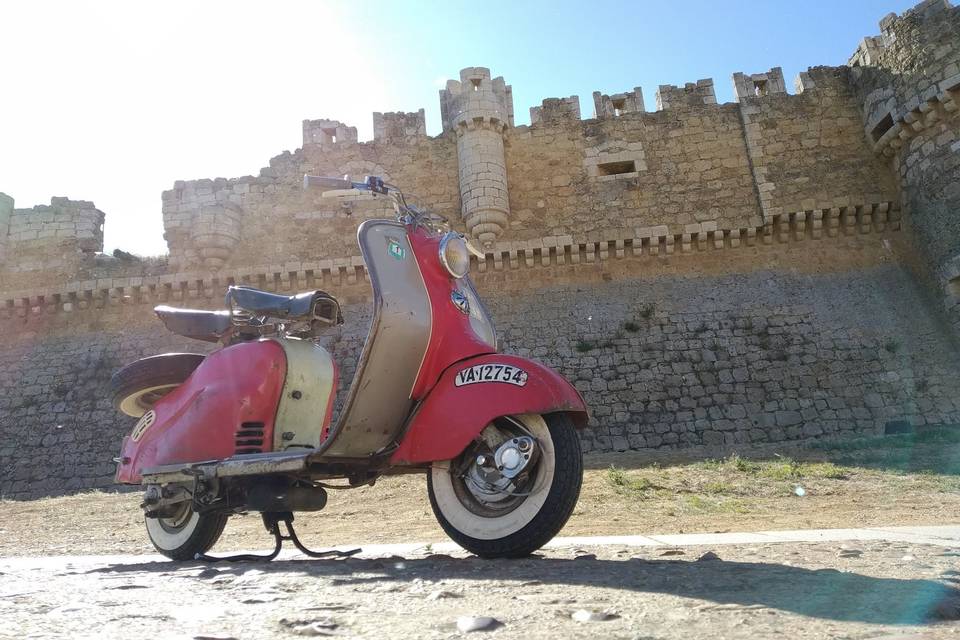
(498, 472)
(179, 519)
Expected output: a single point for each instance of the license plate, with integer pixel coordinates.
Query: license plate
(493, 372)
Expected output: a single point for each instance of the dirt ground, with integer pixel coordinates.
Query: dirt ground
(903, 480)
(872, 589)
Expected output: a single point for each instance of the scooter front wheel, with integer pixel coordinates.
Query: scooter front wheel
(184, 533)
(488, 508)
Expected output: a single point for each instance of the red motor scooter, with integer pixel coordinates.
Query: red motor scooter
(248, 427)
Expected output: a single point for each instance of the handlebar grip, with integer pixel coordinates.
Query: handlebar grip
(325, 183)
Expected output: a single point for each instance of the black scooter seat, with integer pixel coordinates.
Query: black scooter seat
(195, 323)
(273, 304)
(212, 325)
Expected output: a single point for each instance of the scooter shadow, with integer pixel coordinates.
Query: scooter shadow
(820, 593)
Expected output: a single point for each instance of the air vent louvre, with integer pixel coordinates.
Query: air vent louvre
(249, 438)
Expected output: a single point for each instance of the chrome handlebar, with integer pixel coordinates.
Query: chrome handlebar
(326, 184)
(372, 184)
(375, 185)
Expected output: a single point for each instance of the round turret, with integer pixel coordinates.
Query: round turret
(479, 110)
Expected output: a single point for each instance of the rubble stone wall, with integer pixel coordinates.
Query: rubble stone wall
(724, 348)
(738, 360)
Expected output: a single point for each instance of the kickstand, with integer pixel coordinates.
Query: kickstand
(272, 522)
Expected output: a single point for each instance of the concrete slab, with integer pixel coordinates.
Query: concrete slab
(687, 539)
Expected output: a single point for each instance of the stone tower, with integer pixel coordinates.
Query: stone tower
(6, 211)
(908, 82)
(479, 110)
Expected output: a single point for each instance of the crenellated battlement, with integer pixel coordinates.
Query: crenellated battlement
(926, 10)
(391, 127)
(692, 94)
(605, 106)
(556, 109)
(476, 100)
(866, 52)
(758, 85)
(327, 132)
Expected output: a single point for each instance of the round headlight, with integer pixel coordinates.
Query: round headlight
(454, 255)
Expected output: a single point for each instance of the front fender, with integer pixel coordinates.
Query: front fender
(451, 415)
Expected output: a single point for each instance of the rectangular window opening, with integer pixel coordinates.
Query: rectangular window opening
(615, 168)
(760, 88)
(619, 106)
(881, 128)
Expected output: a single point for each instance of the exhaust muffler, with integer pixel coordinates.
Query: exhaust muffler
(267, 498)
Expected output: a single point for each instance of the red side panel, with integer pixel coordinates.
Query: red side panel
(235, 388)
(451, 416)
(451, 338)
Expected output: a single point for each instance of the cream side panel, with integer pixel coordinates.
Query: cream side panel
(398, 339)
(306, 393)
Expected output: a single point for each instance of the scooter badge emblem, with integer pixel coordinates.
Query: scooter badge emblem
(395, 249)
(145, 423)
(492, 372)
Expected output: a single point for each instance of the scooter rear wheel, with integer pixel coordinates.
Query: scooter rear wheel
(185, 533)
(525, 517)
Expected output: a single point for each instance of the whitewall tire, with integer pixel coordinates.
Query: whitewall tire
(186, 533)
(522, 521)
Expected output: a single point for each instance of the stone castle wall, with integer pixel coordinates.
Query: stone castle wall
(908, 82)
(47, 244)
(723, 348)
(695, 168)
(709, 275)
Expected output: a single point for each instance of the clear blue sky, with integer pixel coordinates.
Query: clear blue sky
(112, 101)
(564, 47)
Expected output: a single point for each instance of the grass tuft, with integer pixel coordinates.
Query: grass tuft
(779, 469)
(585, 345)
(624, 484)
(719, 487)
